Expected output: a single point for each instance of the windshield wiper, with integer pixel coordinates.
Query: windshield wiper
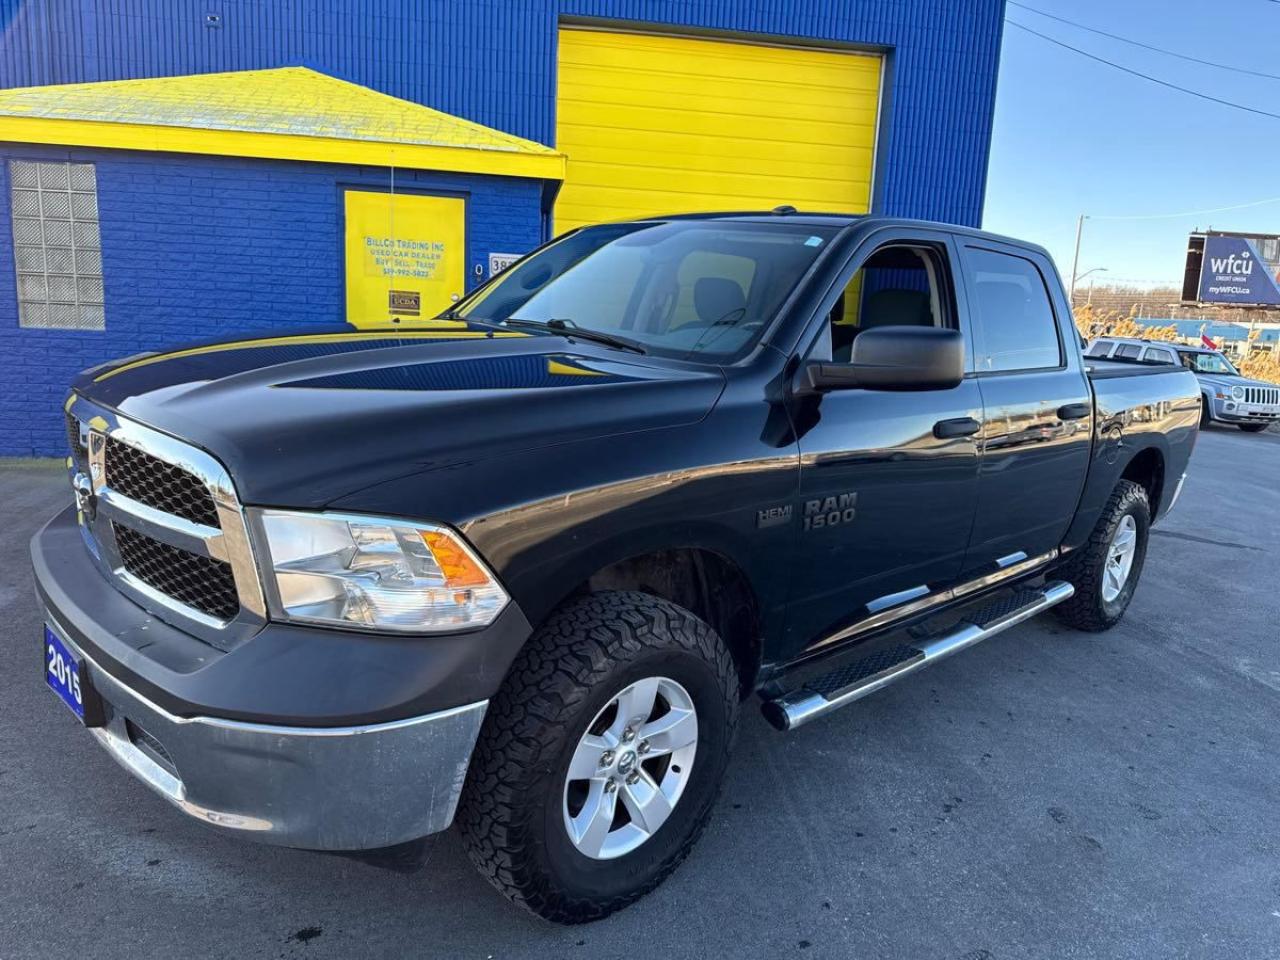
(571, 329)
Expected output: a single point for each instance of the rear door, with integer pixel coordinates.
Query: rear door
(888, 479)
(1037, 406)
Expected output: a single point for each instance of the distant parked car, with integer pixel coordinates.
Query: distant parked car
(1229, 397)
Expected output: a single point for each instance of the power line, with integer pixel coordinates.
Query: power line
(1192, 213)
(1146, 76)
(1147, 46)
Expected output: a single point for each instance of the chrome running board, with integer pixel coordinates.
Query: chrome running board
(861, 678)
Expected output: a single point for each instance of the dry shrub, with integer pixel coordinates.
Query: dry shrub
(1112, 323)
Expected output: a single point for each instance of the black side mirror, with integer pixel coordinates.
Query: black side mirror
(893, 358)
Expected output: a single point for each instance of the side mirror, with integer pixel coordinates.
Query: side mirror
(893, 358)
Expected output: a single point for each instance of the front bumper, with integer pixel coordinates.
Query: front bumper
(1231, 411)
(322, 788)
(299, 736)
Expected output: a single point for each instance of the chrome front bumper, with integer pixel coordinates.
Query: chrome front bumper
(1231, 411)
(321, 788)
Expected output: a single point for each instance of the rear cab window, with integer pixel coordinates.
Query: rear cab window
(1128, 351)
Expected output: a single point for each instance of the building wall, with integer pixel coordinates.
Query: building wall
(493, 61)
(197, 248)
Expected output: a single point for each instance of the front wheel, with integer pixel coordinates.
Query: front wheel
(1106, 569)
(1206, 417)
(1253, 427)
(601, 756)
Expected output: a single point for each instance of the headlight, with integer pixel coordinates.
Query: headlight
(371, 572)
(1237, 393)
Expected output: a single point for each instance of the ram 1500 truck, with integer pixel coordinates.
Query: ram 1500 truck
(525, 562)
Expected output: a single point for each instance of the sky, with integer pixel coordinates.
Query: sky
(1075, 136)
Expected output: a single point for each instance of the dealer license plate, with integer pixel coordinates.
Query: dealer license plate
(64, 673)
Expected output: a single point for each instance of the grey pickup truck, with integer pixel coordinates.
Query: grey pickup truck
(1227, 396)
(520, 567)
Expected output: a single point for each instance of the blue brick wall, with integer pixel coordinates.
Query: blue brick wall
(494, 61)
(204, 247)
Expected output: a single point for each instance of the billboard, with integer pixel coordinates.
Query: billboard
(1240, 269)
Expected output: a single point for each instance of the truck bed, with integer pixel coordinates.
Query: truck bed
(1098, 369)
(1137, 407)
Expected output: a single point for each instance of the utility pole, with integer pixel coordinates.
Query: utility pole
(1075, 262)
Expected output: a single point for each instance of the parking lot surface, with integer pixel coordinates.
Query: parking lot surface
(1048, 794)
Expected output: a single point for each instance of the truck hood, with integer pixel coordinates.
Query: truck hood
(304, 419)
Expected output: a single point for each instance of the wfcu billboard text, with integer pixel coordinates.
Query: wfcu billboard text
(1234, 270)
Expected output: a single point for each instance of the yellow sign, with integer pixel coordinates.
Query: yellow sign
(405, 256)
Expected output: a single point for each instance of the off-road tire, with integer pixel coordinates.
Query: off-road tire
(1253, 427)
(510, 814)
(1085, 567)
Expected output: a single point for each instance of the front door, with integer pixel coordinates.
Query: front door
(888, 479)
(405, 256)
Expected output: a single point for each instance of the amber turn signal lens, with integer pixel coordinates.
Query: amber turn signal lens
(455, 563)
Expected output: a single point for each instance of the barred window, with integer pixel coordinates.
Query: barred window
(56, 245)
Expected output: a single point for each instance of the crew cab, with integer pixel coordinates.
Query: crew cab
(525, 563)
(1227, 396)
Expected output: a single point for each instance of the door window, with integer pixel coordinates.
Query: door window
(1019, 330)
(898, 285)
(1158, 355)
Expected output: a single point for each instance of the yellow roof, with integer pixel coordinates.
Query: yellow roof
(289, 113)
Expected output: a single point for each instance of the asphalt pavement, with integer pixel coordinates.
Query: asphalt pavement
(1048, 794)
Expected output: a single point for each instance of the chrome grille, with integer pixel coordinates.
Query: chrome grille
(160, 485)
(162, 521)
(79, 454)
(1262, 395)
(203, 583)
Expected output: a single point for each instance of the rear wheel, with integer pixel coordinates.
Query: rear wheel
(1253, 427)
(601, 756)
(1106, 569)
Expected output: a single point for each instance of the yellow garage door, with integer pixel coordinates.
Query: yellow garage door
(661, 124)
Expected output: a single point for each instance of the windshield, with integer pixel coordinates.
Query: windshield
(703, 289)
(1208, 363)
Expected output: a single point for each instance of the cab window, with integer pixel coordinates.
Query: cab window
(1016, 320)
(898, 285)
(1128, 351)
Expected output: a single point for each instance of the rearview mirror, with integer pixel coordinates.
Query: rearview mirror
(894, 358)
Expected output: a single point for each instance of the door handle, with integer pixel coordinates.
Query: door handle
(1074, 411)
(959, 427)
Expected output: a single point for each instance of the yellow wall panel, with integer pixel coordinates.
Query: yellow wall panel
(660, 124)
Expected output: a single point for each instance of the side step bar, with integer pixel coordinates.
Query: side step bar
(864, 677)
